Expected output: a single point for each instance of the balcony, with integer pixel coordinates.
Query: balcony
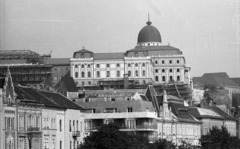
(76, 134)
(33, 129)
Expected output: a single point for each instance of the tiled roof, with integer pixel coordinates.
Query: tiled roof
(121, 106)
(83, 51)
(57, 61)
(99, 56)
(61, 100)
(49, 99)
(17, 52)
(222, 113)
(181, 112)
(217, 79)
(200, 113)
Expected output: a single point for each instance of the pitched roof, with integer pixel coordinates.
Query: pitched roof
(236, 80)
(18, 61)
(69, 84)
(49, 99)
(83, 51)
(181, 112)
(99, 56)
(217, 79)
(200, 113)
(57, 61)
(61, 100)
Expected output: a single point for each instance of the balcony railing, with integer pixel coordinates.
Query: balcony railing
(76, 134)
(33, 129)
(136, 127)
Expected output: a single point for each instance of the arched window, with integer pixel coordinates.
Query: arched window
(136, 64)
(143, 64)
(178, 70)
(89, 65)
(136, 73)
(143, 73)
(76, 66)
(118, 73)
(177, 61)
(129, 65)
(171, 78)
(170, 61)
(163, 70)
(170, 70)
(60, 144)
(76, 74)
(60, 125)
(129, 73)
(178, 78)
(163, 78)
(156, 78)
(156, 62)
(163, 62)
(83, 75)
(89, 74)
(82, 66)
(156, 70)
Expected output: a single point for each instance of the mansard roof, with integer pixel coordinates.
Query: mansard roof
(99, 56)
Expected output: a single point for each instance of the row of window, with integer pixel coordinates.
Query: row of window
(164, 78)
(97, 65)
(73, 127)
(9, 123)
(170, 70)
(170, 61)
(98, 74)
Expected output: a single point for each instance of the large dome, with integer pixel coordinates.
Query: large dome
(149, 33)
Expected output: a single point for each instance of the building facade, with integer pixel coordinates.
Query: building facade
(149, 62)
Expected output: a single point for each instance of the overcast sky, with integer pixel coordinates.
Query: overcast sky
(206, 31)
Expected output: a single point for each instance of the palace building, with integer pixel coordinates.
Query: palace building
(149, 62)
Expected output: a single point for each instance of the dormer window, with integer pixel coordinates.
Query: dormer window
(82, 55)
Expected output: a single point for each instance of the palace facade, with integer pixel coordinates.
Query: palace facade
(149, 62)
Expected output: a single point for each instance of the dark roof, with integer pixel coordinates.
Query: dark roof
(236, 80)
(61, 100)
(48, 99)
(181, 112)
(57, 61)
(83, 51)
(69, 84)
(149, 33)
(222, 113)
(217, 79)
(98, 56)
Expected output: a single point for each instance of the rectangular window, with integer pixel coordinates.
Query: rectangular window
(108, 73)
(98, 74)
(131, 124)
(110, 110)
(70, 128)
(108, 65)
(129, 109)
(70, 144)
(118, 73)
(98, 65)
(118, 65)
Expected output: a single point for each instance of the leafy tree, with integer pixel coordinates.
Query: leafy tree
(185, 145)
(220, 139)
(109, 137)
(162, 144)
(209, 91)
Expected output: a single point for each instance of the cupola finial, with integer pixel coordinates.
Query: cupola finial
(149, 22)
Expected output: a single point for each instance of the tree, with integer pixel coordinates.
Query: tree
(162, 144)
(109, 137)
(220, 139)
(209, 91)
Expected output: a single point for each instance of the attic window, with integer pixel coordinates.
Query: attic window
(129, 109)
(177, 61)
(82, 55)
(112, 99)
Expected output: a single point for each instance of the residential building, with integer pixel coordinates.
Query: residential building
(214, 116)
(149, 62)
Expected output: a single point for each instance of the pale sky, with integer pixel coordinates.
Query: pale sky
(206, 31)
